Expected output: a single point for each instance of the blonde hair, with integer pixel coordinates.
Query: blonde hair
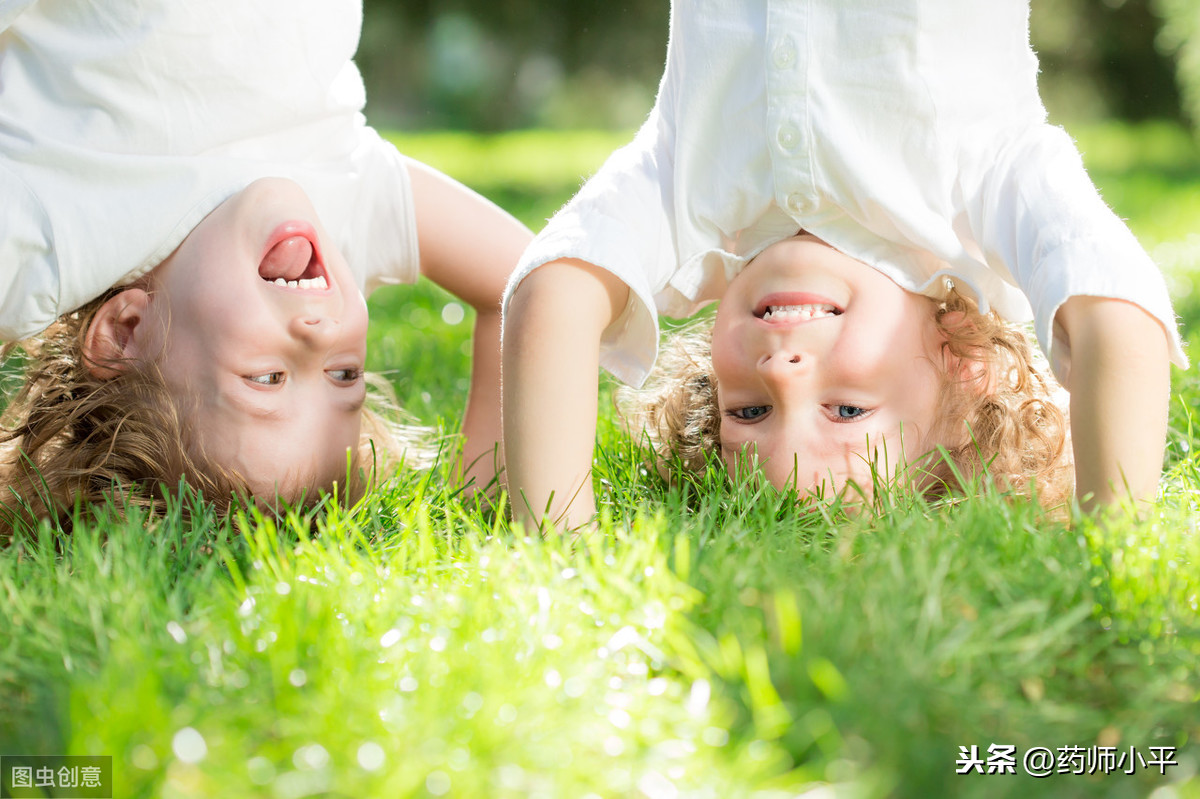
(68, 437)
(998, 420)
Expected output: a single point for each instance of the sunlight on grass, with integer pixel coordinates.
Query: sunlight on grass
(533, 159)
(528, 173)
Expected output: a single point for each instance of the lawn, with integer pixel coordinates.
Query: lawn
(704, 641)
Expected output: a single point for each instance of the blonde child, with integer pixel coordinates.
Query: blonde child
(194, 210)
(864, 186)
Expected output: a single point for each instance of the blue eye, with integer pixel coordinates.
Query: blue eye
(849, 411)
(268, 379)
(748, 413)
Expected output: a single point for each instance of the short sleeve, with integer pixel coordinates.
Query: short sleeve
(1040, 217)
(29, 297)
(374, 214)
(619, 221)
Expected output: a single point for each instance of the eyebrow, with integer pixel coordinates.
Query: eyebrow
(274, 414)
(850, 440)
(240, 400)
(254, 409)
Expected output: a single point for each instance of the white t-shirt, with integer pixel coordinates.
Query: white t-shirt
(122, 124)
(908, 134)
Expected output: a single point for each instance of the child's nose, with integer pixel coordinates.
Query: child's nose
(782, 359)
(313, 330)
(782, 364)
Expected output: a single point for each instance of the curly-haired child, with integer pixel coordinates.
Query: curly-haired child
(872, 193)
(998, 417)
(194, 210)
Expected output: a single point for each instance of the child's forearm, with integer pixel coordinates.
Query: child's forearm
(469, 247)
(482, 421)
(1119, 384)
(552, 332)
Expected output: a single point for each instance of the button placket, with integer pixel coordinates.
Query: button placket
(797, 203)
(785, 65)
(788, 136)
(784, 54)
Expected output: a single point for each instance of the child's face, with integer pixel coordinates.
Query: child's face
(275, 371)
(821, 389)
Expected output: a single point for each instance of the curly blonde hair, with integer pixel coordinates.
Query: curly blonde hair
(998, 411)
(69, 438)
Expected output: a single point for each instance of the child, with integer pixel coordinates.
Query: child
(852, 179)
(194, 207)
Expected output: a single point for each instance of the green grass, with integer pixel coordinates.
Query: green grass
(704, 641)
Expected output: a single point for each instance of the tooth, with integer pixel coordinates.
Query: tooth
(293, 284)
(806, 311)
(280, 281)
(321, 283)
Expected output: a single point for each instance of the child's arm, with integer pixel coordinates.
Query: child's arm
(1082, 268)
(468, 246)
(1119, 384)
(551, 375)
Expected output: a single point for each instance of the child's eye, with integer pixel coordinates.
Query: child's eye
(849, 412)
(345, 375)
(269, 379)
(749, 413)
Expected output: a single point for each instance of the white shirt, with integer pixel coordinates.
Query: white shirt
(908, 134)
(122, 124)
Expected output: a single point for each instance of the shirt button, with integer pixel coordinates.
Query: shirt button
(797, 203)
(784, 54)
(789, 137)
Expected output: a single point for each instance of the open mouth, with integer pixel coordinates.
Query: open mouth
(789, 313)
(795, 308)
(293, 260)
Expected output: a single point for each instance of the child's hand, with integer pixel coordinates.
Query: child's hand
(1119, 384)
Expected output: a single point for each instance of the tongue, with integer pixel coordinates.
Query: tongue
(288, 259)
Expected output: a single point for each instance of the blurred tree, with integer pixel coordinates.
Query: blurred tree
(487, 65)
(1099, 58)
(1180, 36)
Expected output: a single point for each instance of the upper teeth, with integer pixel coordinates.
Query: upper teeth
(304, 283)
(813, 311)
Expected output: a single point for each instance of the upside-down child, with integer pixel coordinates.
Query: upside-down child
(871, 191)
(194, 208)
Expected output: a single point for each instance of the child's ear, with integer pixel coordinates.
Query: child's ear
(117, 335)
(967, 370)
(970, 372)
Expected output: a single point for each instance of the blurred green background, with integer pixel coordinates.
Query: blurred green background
(487, 66)
(523, 99)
